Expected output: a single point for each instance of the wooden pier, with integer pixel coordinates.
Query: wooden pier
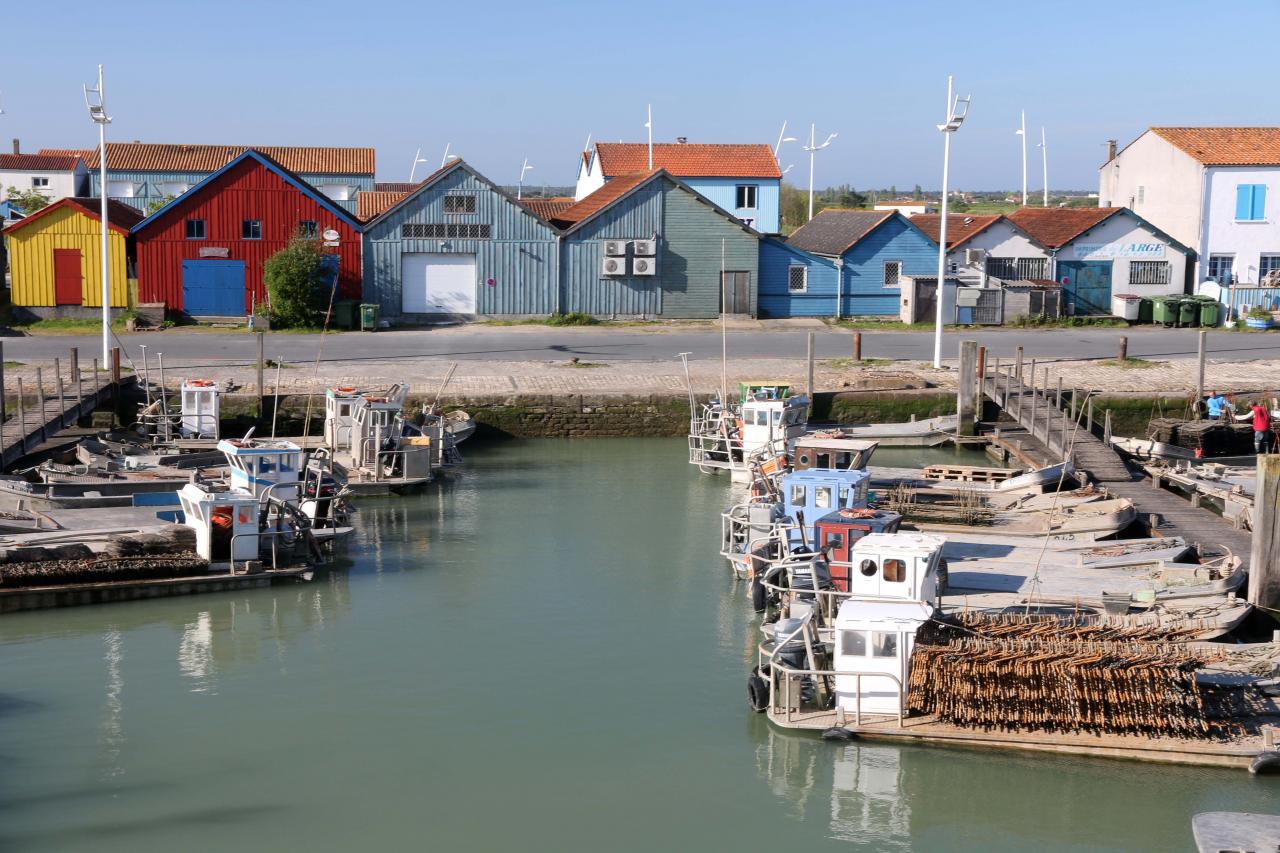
(63, 395)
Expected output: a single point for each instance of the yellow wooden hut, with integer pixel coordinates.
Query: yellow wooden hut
(55, 257)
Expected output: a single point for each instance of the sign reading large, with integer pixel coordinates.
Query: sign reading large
(1103, 251)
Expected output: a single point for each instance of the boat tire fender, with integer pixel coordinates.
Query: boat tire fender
(757, 691)
(838, 733)
(1266, 763)
(758, 595)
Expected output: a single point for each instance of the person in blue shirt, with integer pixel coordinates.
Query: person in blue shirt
(1216, 405)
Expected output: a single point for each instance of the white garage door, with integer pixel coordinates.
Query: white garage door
(436, 283)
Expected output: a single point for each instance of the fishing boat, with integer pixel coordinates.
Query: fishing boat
(929, 432)
(1235, 832)
(723, 436)
(1145, 449)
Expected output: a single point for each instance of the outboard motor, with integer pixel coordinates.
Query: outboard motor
(791, 652)
(804, 575)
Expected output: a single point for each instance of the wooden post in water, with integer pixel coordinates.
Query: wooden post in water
(1059, 390)
(260, 374)
(44, 435)
(22, 415)
(62, 404)
(857, 346)
(967, 388)
(995, 379)
(1200, 368)
(75, 372)
(1264, 560)
(808, 371)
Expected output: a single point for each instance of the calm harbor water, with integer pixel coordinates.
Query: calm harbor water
(545, 654)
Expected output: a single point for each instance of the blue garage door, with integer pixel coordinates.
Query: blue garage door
(1087, 285)
(213, 288)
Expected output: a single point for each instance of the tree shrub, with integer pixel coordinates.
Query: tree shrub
(293, 277)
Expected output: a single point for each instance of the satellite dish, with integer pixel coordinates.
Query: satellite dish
(331, 235)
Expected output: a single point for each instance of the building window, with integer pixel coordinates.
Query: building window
(195, 229)
(308, 229)
(746, 196)
(797, 279)
(1268, 264)
(1220, 269)
(895, 571)
(39, 183)
(444, 231)
(1251, 202)
(251, 229)
(892, 273)
(1017, 269)
(853, 644)
(460, 203)
(1142, 194)
(1148, 272)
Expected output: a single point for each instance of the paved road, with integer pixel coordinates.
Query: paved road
(538, 343)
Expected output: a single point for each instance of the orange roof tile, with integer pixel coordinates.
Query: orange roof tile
(1226, 146)
(960, 226)
(548, 208)
(39, 162)
(1053, 226)
(600, 199)
(688, 160)
(160, 157)
(370, 204)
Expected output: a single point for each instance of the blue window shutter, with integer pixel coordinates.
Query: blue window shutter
(1259, 201)
(1244, 200)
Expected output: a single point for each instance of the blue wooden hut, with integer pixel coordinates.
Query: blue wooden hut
(844, 263)
(456, 247)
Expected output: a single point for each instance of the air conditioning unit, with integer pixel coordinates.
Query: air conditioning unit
(613, 266)
(644, 266)
(974, 256)
(645, 247)
(616, 248)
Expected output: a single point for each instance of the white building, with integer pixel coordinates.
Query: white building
(908, 208)
(1214, 189)
(53, 176)
(986, 246)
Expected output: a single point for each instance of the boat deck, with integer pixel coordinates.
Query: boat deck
(1237, 752)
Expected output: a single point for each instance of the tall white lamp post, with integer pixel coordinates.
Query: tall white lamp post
(957, 108)
(813, 149)
(1022, 131)
(520, 184)
(1044, 151)
(96, 104)
(417, 158)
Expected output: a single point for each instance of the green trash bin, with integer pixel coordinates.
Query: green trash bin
(1209, 311)
(1188, 312)
(344, 313)
(1164, 310)
(369, 313)
(1145, 311)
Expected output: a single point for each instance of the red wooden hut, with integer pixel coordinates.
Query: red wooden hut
(203, 253)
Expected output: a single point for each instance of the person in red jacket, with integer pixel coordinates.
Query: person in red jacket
(1261, 427)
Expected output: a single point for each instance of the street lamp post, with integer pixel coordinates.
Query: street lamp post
(813, 148)
(520, 184)
(1022, 131)
(1044, 151)
(96, 104)
(957, 108)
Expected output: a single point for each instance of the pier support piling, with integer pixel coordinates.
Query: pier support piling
(22, 415)
(44, 435)
(1202, 346)
(1264, 560)
(1123, 355)
(808, 373)
(857, 346)
(967, 388)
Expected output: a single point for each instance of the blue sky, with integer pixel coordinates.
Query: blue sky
(504, 80)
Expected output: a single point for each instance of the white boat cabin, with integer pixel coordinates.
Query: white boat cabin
(841, 454)
(261, 466)
(765, 421)
(899, 566)
(225, 522)
(873, 643)
(339, 417)
(201, 409)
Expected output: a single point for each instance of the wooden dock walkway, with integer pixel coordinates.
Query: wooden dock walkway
(62, 397)
(1052, 417)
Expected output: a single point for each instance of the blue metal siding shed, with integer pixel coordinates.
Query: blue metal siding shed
(635, 216)
(776, 298)
(896, 240)
(519, 257)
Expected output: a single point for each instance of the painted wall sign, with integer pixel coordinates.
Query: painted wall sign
(1102, 251)
(214, 252)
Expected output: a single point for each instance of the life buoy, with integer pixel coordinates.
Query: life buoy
(346, 389)
(858, 513)
(757, 691)
(837, 733)
(200, 383)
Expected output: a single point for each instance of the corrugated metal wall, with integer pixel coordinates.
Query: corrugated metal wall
(586, 289)
(776, 300)
(248, 191)
(519, 256)
(895, 240)
(31, 258)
